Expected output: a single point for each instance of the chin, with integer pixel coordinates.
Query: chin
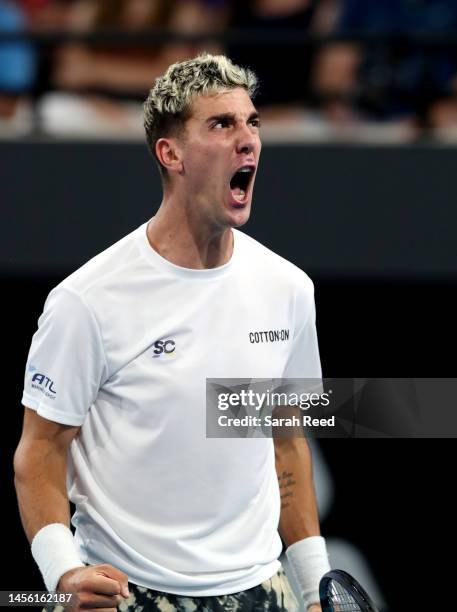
(239, 216)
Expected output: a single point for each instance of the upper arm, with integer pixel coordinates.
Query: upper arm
(42, 439)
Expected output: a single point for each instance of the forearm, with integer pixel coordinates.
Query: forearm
(299, 519)
(299, 515)
(40, 481)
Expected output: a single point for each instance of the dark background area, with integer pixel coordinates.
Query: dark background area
(374, 228)
(337, 211)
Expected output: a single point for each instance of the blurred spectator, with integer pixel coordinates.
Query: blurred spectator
(108, 79)
(45, 16)
(128, 69)
(388, 80)
(17, 65)
(336, 90)
(283, 71)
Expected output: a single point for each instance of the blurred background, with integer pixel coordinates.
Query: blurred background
(357, 186)
(330, 69)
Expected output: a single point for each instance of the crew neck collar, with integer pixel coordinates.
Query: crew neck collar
(167, 266)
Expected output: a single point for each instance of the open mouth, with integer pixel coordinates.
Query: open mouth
(240, 182)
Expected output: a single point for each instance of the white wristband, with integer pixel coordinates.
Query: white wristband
(55, 553)
(308, 560)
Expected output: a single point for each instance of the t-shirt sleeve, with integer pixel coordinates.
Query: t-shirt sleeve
(66, 364)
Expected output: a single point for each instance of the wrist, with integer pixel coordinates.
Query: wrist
(308, 560)
(55, 553)
(65, 581)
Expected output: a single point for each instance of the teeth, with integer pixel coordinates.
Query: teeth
(240, 195)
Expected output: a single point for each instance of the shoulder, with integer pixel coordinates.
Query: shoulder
(108, 269)
(276, 268)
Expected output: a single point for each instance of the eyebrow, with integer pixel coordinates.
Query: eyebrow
(231, 117)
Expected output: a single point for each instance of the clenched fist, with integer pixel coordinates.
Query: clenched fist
(95, 586)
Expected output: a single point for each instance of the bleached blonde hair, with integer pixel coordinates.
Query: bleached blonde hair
(168, 105)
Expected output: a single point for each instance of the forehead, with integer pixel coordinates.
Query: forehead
(235, 101)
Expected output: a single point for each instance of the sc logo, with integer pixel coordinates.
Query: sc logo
(164, 346)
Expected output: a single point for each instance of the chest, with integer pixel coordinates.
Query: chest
(226, 330)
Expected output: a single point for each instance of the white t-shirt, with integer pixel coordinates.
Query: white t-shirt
(123, 348)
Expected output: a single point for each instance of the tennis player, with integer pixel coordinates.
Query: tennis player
(167, 519)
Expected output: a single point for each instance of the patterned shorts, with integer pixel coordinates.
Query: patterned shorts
(273, 595)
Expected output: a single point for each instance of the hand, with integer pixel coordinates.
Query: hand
(95, 586)
(315, 607)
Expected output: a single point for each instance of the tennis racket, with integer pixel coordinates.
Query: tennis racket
(340, 592)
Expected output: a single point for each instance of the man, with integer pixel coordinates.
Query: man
(116, 375)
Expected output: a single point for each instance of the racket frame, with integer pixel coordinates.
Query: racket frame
(352, 587)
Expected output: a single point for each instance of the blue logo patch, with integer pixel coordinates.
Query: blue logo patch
(43, 383)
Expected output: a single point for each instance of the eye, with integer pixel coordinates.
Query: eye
(255, 122)
(222, 123)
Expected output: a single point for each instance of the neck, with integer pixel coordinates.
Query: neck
(182, 235)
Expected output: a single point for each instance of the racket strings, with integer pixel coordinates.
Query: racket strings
(341, 600)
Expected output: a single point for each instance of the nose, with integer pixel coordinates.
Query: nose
(247, 140)
(246, 148)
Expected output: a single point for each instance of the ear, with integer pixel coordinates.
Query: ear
(169, 154)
